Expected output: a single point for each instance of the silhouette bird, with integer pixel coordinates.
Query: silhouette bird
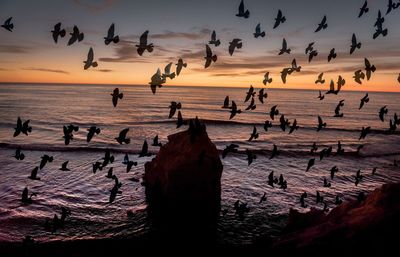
(320, 79)
(359, 148)
(25, 198)
(173, 107)
(179, 66)
(226, 103)
(8, 25)
(321, 124)
(382, 113)
(364, 9)
(293, 127)
(271, 179)
(252, 105)
(319, 198)
(337, 109)
(379, 27)
(314, 147)
(392, 126)
(254, 134)
(18, 154)
(267, 79)
(128, 163)
(89, 61)
(267, 125)
(167, 72)
(340, 150)
(235, 43)
(156, 142)
(115, 96)
(279, 19)
(122, 137)
(234, 110)
(258, 32)
(275, 152)
(232, 148)
(310, 47)
(354, 44)
(333, 170)
(34, 172)
(97, 166)
(180, 120)
(91, 131)
(110, 173)
(242, 12)
(311, 163)
(115, 190)
(283, 122)
(64, 166)
(108, 158)
(110, 36)
(23, 128)
(57, 32)
(369, 68)
(263, 198)
(321, 96)
(274, 111)
(326, 183)
(156, 81)
(358, 177)
(284, 73)
(145, 150)
(322, 25)
(338, 200)
(364, 132)
(68, 130)
(303, 196)
(143, 46)
(76, 35)
(209, 57)
(45, 159)
(363, 101)
(250, 157)
(284, 48)
(295, 67)
(332, 54)
(312, 54)
(214, 41)
(358, 76)
(262, 95)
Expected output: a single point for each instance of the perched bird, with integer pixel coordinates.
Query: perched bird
(64, 166)
(143, 46)
(167, 72)
(354, 44)
(23, 128)
(310, 47)
(337, 109)
(311, 163)
(242, 12)
(262, 95)
(235, 43)
(180, 120)
(322, 25)
(382, 113)
(252, 105)
(18, 154)
(91, 131)
(364, 132)
(234, 110)
(110, 36)
(250, 157)
(312, 54)
(364, 9)
(128, 163)
(321, 124)
(115, 96)
(45, 158)
(284, 48)
(8, 25)
(267, 125)
(122, 137)
(332, 54)
(145, 150)
(358, 76)
(89, 61)
(226, 103)
(369, 68)
(34, 172)
(254, 134)
(294, 127)
(267, 79)
(274, 111)
(274, 152)
(263, 198)
(320, 79)
(156, 142)
(258, 32)
(363, 101)
(214, 41)
(209, 57)
(179, 66)
(333, 170)
(156, 81)
(232, 148)
(279, 19)
(76, 35)
(58, 32)
(321, 96)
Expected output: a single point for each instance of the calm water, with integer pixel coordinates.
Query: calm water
(49, 107)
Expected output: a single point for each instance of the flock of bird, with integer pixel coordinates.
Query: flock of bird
(158, 79)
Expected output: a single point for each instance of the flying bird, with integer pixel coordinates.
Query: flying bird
(8, 25)
(337, 109)
(173, 107)
(279, 19)
(294, 127)
(310, 47)
(258, 32)
(58, 32)
(267, 125)
(234, 110)
(321, 96)
(252, 105)
(262, 95)
(333, 170)
(89, 61)
(156, 81)
(235, 43)
(76, 35)
(358, 76)
(332, 54)
(180, 120)
(45, 159)
(322, 25)
(179, 66)
(214, 41)
(232, 148)
(364, 9)
(64, 166)
(369, 68)
(167, 72)
(226, 103)
(274, 152)
(242, 12)
(284, 73)
(145, 150)
(320, 79)
(209, 57)
(250, 93)
(363, 101)
(115, 96)
(23, 128)
(250, 157)
(312, 54)
(91, 131)
(284, 48)
(283, 122)
(254, 134)
(34, 172)
(267, 79)
(143, 46)
(379, 27)
(110, 36)
(364, 132)
(354, 44)
(382, 113)
(274, 111)
(129, 164)
(295, 67)
(321, 124)
(122, 137)
(311, 163)
(18, 154)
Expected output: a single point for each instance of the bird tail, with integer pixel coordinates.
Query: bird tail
(120, 95)
(217, 43)
(116, 39)
(288, 51)
(112, 159)
(214, 58)
(127, 141)
(283, 19)
(247, 14)
(359, 45)
(184, 65)
(62, 33)
(50, 158)
(29, 129)
(384, 32)
(172, 75)
(262, 34)
(94, 64)
(80, 37)
(98, 131)
(239, 45)
(149, 48)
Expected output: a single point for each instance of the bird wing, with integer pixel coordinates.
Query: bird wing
(143, 38)
(231, 47)
(8, 21)
(354, 39)
(241, 7)
(284, 44)
(90, 56)
(258, 29)
(167, 68)
(320, 120)
(110, 33)
(213, 36)
(208, 51)
(123, 133)
(145, 147)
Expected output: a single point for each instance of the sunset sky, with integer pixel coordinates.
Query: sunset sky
(180, 29)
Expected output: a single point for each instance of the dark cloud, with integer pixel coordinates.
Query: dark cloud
(183, 35)
(46, 70)
(104, 70)
(95, 6)
(3, 69)
(15, 49)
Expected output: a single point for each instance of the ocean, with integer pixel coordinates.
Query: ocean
(50, 107)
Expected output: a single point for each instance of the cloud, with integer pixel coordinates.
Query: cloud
(15, 49)
(46, 70)
(95, 6)
(183, 35)
(104, 70)
(4, 69)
